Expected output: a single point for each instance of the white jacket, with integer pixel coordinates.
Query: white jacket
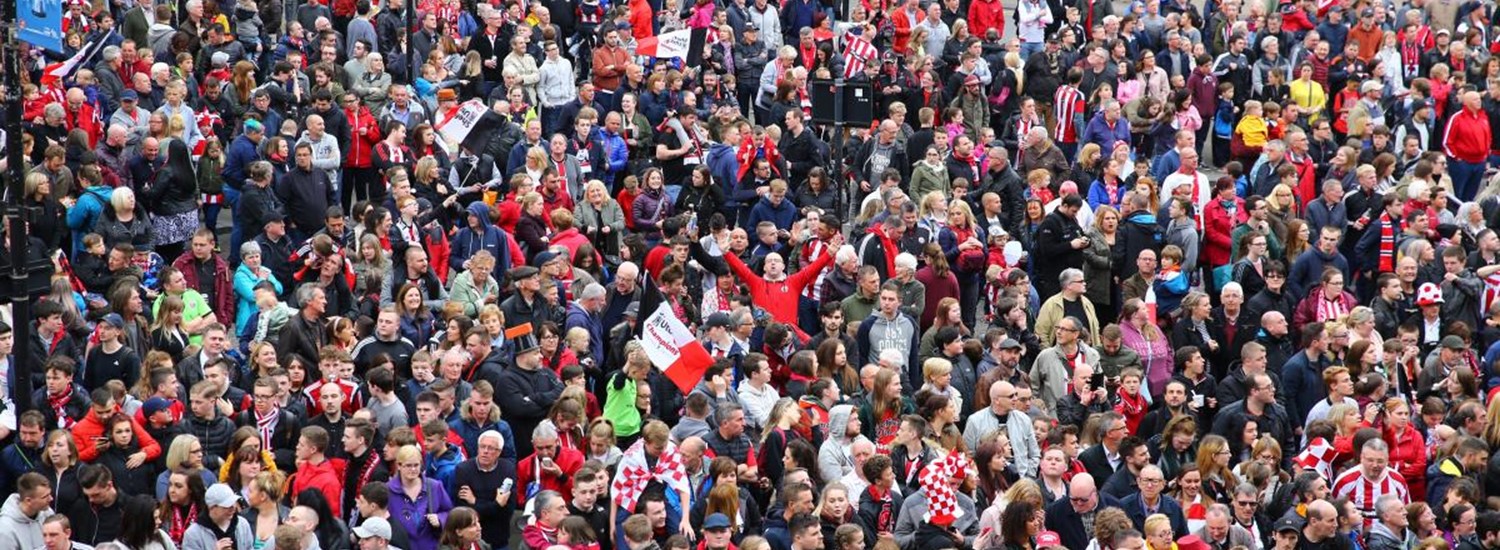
(18, 532)
(555, 85)
(769, 22)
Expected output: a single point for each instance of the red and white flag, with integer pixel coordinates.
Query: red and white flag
(857, 52)
(673, 349)
(672, 44)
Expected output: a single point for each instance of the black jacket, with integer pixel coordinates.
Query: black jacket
(1054, 252)
(526, 396)
(303, 338)
(306, 194)
(802, 152)
(283, 437)
(214, 434)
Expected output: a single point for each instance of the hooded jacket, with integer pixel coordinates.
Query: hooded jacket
(834, 457)
(1307, 271)
(326, 477)
(878, 333)
(488, 237)
(18, 532)
(783, 215)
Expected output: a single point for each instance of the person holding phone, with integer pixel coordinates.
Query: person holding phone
(1087, 398)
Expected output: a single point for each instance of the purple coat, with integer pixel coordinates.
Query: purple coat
(412, 513)
(1098, 131)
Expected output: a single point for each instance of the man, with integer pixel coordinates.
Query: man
(1466, 141)
(1148, 499)
(589, 484)
(24, 512)
(478, 482)
(729, 440)
(1070, 301)
(1133, 457)
(314, 470)
(1322, 529)
(307, 192)
(889, 329)
(1060, 246)
(374, 534)
(418, 271)
(1373, 479)
(526, 391)
(716, 532)
(97, 518)
(305, 334)
(1083, 400)
(278, 427)
(222, 523)
(1389, 532)
(796, 500)
(1187, 175)
(527, 305)
(57, 534)
(550, 508)
(1002, 414)
(1220, 533)
(25, 454)
(1050, 371)
(363, 463)
(1302, 387)
(1073, 518)
(1469, 459)
(386, 340)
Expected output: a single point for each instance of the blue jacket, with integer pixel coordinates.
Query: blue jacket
(1099, 194)
(14, 461)
(1303, 381)
(468, 241)
(1135, 508)
(616, 153)
(441, 468)
(86, 212)
(470, 432)
(783, 216)
(237, 158)
(1098, 131)
(244, 292)
(724, 166)
(1307, 271)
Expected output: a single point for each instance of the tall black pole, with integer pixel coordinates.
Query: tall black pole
(411, 52)
(15, 216)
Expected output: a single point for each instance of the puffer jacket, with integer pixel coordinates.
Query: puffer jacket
(18, 532)
(650, 208)
(115, 231)
(926, 178)
(214, 434)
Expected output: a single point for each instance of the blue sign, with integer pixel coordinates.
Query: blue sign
(41, 23)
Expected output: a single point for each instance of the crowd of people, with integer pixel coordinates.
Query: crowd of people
(294, 306)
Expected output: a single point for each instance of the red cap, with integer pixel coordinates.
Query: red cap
(1047, 539)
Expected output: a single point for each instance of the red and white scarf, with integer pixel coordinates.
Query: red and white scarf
(634, 474)
(1329, 310)
(266, 425)
(1388, 229)
(59, 404)
(181, 521)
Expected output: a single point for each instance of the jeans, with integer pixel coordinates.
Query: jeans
(1467, 177)
(1028, 48)
(236, 231)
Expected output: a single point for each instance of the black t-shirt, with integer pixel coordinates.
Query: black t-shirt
(1074, 309)
(673, 171)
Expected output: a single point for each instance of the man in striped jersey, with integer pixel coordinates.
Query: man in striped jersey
(1373, 479)
(1067, 110)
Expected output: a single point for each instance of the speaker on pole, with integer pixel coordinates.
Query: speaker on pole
(858, 99)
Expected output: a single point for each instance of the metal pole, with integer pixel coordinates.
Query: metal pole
(411, 53)
(19, 238)
(837, 145)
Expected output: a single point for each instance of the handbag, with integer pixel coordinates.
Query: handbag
(1223, 275)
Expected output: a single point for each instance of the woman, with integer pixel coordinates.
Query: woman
(60, 467)
(124, 222)
(651, 207)
(342, 334)
(1158, 533)
(1408, 454)
(1102, 261)
(172, 199)
(939, 282)
(1199, 329)
(417, 323)
(833, 364)
(370, 265)
(425, 145)
(599, 217)
(1308, 94)
(1328, 301)
(1139, 332)
(1213, 463)
(49, 224)
(1363, 357)
(834, 510)
(992, 463)
(930, 174)
(1249, 270)
(1107, 189)
(1177, 445)
(1019, 525)
(265, 511)
(700, 195)
(948, 313)
(140, 527)
(462, 531)
(821, 192)
(132, 476)
(419, 504)
(250, 274)
(1422, 521)
(183, 503)
(555, 356)
(476, 287)
(532, 229)
(1025, 490)
(778, 435)
(167, 332)
(963, 244)
(880, 416)
(1188, 490)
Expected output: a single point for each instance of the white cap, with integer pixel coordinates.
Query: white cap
(222, 496)
(374, 527)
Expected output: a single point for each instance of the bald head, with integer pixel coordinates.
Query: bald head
(1001, 394)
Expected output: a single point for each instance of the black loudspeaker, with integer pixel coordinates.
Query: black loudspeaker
(859, 102)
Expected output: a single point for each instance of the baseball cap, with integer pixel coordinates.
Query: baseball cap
(1452, 342)
(717, 319)
(1288, 523)
(155, 405)
(374, 527)
(114, 320)
(129, 95)
(221, 495)
(716, 521)
(1048, 539)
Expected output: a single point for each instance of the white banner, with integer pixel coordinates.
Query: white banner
(456, 126)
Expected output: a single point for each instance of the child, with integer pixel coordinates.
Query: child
(1171, 283)
(271, 314)
(422, 374)
(1275, 126)
(955, 125)
(1128, 399)
(1224, 116)
(1039, 186)
(1343, 102)
(33, 103)
(92, 268)
(994, 290)
(1252, 132)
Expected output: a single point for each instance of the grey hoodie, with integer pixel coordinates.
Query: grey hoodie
(834, 458)
(18, 532)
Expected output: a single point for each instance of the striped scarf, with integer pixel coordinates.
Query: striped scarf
(1388, 231)
(266, 425)
(1329, 310)
(1491, 290)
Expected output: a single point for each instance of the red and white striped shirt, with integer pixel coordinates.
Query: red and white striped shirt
(1364, 492)
(857, 53)
(1067, 104)
(810, 253)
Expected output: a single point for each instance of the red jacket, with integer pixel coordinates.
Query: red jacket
(568, 460)
(1307, 309)
(88, 120)
(223, 283)
(985, 15)
(1467, 136)
(364, 133)
(779, 299)
(326, 477)
(1219, 224)
(1408, 457)
(88, 430)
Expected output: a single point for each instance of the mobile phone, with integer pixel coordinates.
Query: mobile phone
(1097, 381)
(507, 485)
